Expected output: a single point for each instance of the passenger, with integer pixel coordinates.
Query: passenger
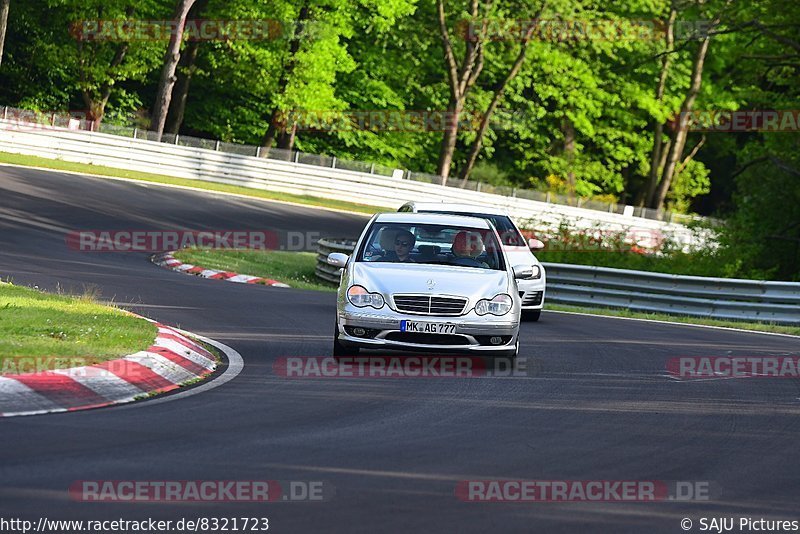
(467, 246)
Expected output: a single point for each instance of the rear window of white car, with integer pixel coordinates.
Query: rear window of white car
(509, 235)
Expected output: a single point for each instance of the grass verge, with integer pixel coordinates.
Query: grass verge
(35, 161)
(293, 268)
(40, 331)
(297, 270)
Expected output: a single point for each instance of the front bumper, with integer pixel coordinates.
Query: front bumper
(531, 292)
(473, 333)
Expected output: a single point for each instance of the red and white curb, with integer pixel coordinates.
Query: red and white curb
(171, 361)
(170, 262)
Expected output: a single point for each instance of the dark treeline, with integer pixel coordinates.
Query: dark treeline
(618, 101)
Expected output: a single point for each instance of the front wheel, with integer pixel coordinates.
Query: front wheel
(339, 350)
(531, 315)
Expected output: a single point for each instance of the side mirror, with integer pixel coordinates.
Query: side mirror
(535, 244)
(337, 259)
(522, 271)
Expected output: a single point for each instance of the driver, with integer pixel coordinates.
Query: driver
(403, 243)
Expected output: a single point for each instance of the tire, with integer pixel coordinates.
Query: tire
(339, 350)
(531, 315)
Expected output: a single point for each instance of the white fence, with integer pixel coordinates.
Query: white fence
(390, 192)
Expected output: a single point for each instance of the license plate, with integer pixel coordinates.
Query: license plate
(427, 328)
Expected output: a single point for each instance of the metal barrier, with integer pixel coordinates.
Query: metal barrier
(301, 176)
(325, 246)
(694, 296)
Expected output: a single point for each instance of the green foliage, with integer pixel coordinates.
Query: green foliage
(589, 83)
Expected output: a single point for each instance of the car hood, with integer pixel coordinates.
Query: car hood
(391, 278)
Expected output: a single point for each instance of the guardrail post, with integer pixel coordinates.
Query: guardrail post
(547, 197)
(297, 156)
(135, 131)
(372, 168)
(258, 151)
(216, 146)
(5, 112)
(333, 163)
(176, 138)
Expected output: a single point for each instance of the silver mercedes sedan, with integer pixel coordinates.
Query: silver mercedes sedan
(430, 282)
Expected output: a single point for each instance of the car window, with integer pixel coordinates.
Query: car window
(505, 228)
(435, 244)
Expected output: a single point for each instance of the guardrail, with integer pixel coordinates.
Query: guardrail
(298, 177)
(603, 287)
(325, 246)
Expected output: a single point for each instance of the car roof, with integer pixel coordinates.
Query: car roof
(433, 218)
(460, 208)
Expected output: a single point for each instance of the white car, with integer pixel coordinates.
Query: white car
(531, 290)
(431, 282)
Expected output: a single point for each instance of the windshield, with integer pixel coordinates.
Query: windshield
(509, 235)
(432, 244)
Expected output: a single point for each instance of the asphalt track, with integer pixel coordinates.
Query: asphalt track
(597, 405)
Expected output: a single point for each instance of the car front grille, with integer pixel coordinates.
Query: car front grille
(429, 305)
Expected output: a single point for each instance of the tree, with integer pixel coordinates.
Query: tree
(477, 144)
(4, 5)
(167, 80)
(184, 72)
(677, 141)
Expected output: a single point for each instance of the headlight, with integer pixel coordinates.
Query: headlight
(361, 298)
(499, 305)
(537, 272)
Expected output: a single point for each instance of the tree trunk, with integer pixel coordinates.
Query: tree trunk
(4, 5)
(286, 139)
(569, 151)
(448, 147)
(277, 122)
(167, 80)
(477, 145)
(681, 132)
(96, 103)
(460, 79)
(186, 68)
(658, 136)
(276, 125)
(184, 73)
